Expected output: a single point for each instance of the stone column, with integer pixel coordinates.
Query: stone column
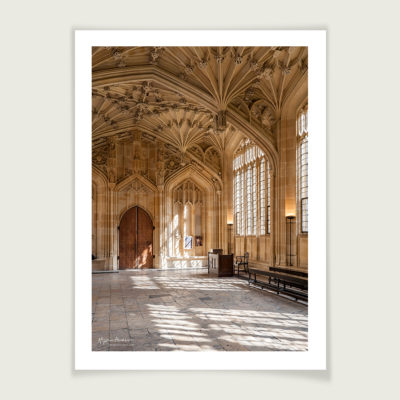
(274, 245)
(160, 226)
(113, 228)
(280, 191)
(160, 206)
(219, 218)
(112, 223)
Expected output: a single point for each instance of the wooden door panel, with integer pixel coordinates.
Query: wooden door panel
(127, 239)
(145, 240)
(135, 240)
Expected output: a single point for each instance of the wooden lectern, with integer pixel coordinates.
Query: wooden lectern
(220, 264)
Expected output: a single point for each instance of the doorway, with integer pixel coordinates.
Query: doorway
(135, 240)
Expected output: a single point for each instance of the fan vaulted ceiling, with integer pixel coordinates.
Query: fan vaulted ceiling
(192, 98)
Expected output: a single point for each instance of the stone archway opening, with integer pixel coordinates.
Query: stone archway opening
(135, 240)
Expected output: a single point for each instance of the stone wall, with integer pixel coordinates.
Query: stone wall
(137, 168)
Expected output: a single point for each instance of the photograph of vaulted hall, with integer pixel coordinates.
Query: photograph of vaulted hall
(199, 198)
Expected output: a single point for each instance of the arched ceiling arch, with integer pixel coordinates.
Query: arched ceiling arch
(124, 184)
(189, 172)
(98, 176)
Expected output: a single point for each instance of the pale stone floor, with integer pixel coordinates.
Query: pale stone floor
(188, 310)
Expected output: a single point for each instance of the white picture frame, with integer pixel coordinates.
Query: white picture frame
(315, 357)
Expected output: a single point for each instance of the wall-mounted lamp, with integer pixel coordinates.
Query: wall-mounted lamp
(290, 218)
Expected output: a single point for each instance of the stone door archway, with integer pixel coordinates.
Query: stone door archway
(135, 240)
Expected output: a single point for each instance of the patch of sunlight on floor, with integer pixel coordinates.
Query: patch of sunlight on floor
(191, 311)
(143, 282)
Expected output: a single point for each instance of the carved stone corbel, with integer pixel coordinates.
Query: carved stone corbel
(220, 122)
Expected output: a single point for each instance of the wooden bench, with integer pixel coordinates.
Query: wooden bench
(281, 283)
(289, 271)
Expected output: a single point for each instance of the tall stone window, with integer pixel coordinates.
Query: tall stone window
(268, 198)
(249, 217)
(302, 166)
(238, 202)
(262, 197)
(252, 190)
(254, 194)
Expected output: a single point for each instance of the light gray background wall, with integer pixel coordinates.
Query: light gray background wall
(36, 165)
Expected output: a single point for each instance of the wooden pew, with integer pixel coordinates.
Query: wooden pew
(289, 271)
(281, 283)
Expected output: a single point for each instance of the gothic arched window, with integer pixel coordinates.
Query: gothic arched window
(187, 223)
(252, 190)
(302, 166)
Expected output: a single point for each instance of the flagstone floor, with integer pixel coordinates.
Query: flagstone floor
(153, 310)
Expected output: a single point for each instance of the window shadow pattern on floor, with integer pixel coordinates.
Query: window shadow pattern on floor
(187, 310)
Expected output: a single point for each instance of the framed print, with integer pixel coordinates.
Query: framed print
(199, 241)
(188, 244)
(189, 141)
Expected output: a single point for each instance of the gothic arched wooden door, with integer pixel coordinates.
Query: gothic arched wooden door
(135, 240)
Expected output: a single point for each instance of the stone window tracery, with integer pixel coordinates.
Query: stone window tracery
(188, 216)
(302, 167)
(268, 198)
(262, 197)
(252, 190)
(249, 202)
(254, 231)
